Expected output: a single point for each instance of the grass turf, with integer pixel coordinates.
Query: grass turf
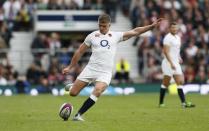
(137, 112)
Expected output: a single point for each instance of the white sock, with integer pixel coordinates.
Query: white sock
(93, 97)
(162, 86)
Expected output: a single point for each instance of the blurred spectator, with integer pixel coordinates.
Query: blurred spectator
(1, 15)
(10, 74)
(98, 5)
(202, 37)
(2, 2)
(41, 5)
(164, 24)
(135, 13)
(54, 43)
(110, 7)
(152, 8)
(33, 74)
(39, 42)
(31, 7)
(11, 8)
(52, 5)
(2, 44)
(191, 50)
(38, 45)
(54, 76)
(87, 4)
(62, 5)
(201, 77)
(64, 57)
(22, 85)
(6, 34)
(11, 79)
(2, 47)
(44, 86)
(143, 49)
(54, 72)
(189, 74)
(73, 5)
(125, 5)
(3, 81)
(153, 72)
(122, 71)
(23, 20)
(168, 4)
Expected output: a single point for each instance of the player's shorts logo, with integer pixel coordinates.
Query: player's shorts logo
(105, 43)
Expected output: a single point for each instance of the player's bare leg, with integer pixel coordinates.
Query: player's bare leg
(179, 79)
(164, 86)
(98, 90)
(77, 86)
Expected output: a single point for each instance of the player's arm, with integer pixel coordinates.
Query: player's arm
(180, 59)
(166, 49)
(139, 30)
(76, 57)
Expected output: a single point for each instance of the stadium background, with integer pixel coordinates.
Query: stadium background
(39, 37)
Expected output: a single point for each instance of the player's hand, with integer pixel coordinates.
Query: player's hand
(173, 66)
(66, 70)
(180, 60)
(157, 22)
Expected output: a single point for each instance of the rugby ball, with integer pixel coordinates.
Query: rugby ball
(65, 111)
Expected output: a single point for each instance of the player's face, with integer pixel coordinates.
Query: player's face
(174, 29)
(104, 27)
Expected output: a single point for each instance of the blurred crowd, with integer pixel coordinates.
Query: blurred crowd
(45, 71)
(51, 54)
(18, 14)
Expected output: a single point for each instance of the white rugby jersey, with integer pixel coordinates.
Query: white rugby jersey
(103, 50)
(174, 41)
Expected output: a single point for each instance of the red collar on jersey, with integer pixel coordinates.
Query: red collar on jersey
(98, 35)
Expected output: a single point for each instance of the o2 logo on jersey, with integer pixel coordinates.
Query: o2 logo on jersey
(105, 43)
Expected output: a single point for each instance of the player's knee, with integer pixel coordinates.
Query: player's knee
(164, 86)
(98, 92)
(180, 83)
(73, 93)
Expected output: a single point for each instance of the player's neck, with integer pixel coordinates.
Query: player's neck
(104, 33)
(174, 34)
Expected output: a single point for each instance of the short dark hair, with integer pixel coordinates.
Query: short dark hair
(173, 23)
(104, 18)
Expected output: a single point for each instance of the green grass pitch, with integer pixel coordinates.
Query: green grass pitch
(137, 112)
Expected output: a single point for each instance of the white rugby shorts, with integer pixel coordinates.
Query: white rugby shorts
(89, 75)
(167, 70)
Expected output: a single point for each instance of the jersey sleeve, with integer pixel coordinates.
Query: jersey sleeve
(120, 36)
(87, 41)
(166, 41)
